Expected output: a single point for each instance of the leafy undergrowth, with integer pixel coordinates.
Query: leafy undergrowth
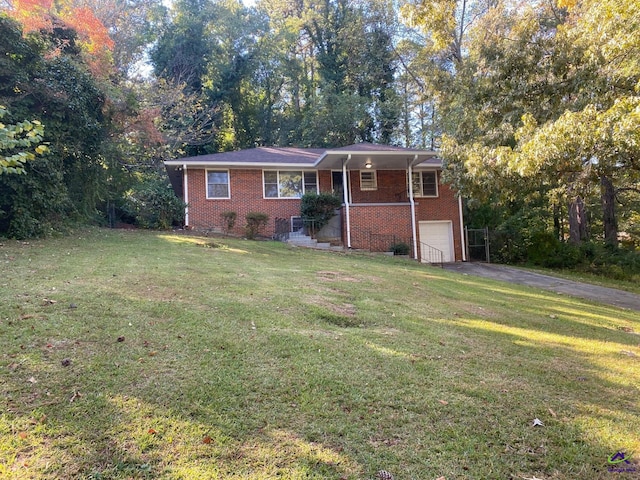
(140, 355)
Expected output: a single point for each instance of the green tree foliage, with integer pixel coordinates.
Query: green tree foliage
(58, 90)
(16, 141)
(285, 72)
(181, 51)
(540, 107)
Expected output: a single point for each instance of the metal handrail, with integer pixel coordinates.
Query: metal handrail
(433, 255)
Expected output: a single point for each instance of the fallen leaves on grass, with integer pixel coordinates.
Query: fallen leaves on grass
(207, 440)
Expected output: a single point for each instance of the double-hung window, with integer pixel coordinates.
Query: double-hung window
(218, 184)
(425, 184)
(289, 183)
(368, 180)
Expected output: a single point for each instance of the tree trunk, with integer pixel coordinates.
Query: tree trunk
(557, 222)
(577, 221)
(608, 196)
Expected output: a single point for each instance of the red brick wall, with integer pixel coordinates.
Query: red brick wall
(387, 223)
(392, 187)
(376, 228)
(324, 180)
(246, 196)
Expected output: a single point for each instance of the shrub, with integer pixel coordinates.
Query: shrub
(400, 249)
(229, 219)
(153, 204)
(256, 221)
(546, 250)
(316, 209)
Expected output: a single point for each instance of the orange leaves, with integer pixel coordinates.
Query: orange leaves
(32, 14)
(93, 33)
(93, 36)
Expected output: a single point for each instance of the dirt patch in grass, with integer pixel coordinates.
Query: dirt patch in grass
(338, 314)
(337, 277)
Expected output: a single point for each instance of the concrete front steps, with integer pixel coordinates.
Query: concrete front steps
(302, 240)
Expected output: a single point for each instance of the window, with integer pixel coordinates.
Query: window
(218, 184)
(425, 184)
(289, 184)
(368, 180)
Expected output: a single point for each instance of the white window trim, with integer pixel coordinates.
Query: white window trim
(420, 193)
(375, 181)
(304, 190)
(206, 183)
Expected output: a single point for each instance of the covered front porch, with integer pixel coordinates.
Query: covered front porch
(380, 212)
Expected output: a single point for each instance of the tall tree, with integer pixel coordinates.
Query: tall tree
(536, 102)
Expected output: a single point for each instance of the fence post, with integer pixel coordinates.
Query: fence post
(486, 242)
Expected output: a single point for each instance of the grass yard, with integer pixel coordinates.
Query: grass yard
(158, 355)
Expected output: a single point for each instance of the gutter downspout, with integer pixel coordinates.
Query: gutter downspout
(413, 208)
(462, 240)
(185, 189)
(345, 192)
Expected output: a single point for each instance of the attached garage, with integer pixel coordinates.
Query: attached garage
(439, 236)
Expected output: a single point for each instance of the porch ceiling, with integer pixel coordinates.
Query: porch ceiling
(380, 160)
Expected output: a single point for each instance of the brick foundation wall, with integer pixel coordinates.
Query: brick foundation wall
(376, 228)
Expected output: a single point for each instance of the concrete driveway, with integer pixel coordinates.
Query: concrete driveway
(610, 296)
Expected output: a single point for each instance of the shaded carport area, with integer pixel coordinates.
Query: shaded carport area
(609, 296)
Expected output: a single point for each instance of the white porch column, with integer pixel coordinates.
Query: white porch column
(413, 209)
(185, 189)
(345, 192)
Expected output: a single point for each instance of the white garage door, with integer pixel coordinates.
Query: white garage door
(438, 235)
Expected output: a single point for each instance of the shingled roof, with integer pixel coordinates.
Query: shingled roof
(287, 156)
(358, 155)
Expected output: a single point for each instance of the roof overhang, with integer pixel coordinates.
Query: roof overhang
(250, 165)
(358, 156)
(377, 159)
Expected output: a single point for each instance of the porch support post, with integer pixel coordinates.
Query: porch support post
(413, 208)
(345, 192)
(462, 237)
(185, 189)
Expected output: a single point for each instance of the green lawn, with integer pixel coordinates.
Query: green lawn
(158, 355)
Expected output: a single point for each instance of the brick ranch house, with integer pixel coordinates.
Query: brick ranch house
(392, 194)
